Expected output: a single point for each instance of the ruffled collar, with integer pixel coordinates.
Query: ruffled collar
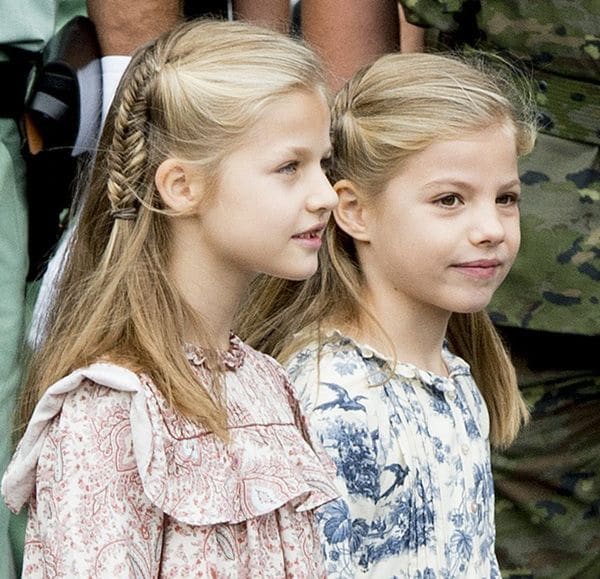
(232, 358)
(456, 365)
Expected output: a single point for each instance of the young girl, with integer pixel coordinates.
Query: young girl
(160, 444)
(427, 227)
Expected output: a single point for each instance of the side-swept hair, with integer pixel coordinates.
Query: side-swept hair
(193, 94)
(388, 111)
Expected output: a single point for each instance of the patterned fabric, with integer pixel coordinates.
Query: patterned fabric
(121, 485)
(25, 24)
(548, 483)
(413, 464)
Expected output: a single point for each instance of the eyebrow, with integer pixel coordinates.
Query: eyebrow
(303, 151)
(464, 185)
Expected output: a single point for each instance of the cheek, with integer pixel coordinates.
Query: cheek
(513, 239)
(514, 236)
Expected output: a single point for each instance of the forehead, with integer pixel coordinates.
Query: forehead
(481, 159)
(295, 119)
(497, 142)
(299, 106)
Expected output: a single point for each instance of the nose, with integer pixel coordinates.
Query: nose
(488, 226)
(322, 198)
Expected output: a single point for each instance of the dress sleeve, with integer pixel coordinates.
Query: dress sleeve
(89, 516)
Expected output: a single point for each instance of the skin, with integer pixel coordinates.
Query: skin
(441, 238)
(124, 25)
(273, 14)
(272, 190)
(348, 34)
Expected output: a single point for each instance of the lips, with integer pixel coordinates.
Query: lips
(312, 233)
(480, 269)
(311, 238)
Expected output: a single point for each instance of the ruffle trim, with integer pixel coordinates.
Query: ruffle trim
(232, 358)
(198, 481)
(456, 365)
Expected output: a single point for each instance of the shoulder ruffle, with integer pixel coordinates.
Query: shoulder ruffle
(186, 471)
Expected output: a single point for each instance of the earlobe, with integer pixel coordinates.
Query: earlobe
(178, 186)
(350, 214)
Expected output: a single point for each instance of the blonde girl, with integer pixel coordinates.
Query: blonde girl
(385, 347)
(158, 443)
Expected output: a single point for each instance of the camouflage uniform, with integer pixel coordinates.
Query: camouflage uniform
(548, 482)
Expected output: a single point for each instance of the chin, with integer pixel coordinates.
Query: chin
(298, 274)
(470, 306)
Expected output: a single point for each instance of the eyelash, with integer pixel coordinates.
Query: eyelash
(289, 168)
(453, 196)
(292, 167)
(513, 199)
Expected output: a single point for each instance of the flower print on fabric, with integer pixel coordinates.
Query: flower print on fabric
(412, 457)
(347, 445)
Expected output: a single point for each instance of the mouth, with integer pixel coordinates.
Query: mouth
(311, 238)
(479, 269)
(313, 233)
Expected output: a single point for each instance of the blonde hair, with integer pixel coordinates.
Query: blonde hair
(193, 93)
(389, 110)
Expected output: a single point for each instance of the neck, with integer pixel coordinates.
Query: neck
(407, 331)
(213, 292)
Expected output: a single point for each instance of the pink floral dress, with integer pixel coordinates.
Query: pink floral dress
(120, 485)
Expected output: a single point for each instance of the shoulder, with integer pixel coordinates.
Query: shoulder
(338, 358)
(103, 383)
(256, 359)
(94, 395)
(335, 368)
(261, 368)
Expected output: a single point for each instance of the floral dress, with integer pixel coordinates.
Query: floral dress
(413, 464)
(121, 485)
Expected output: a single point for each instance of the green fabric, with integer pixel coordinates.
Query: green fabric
(547, 491)
(13, 270)
(554, 284)
(26, 24)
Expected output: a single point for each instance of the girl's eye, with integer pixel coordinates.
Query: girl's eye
(450, 200)
(508, 199)
(288, 168)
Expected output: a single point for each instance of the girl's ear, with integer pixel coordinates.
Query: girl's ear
(179, 185)
(350, 213)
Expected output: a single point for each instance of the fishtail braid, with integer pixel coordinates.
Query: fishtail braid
(128, 153)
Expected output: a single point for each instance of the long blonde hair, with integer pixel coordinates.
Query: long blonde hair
(192, 94)
(389, 110)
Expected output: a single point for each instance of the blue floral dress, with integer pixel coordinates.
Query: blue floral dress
(413, 464)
